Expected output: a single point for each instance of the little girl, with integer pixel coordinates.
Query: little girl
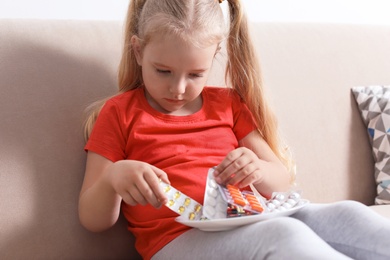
(166, 124)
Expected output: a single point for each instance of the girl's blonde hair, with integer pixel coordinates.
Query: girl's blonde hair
(202, 23)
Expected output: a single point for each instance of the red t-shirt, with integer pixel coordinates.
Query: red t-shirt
(185, 147)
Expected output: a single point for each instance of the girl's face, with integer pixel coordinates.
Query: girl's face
(174, 73)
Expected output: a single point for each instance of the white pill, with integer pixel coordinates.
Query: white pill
(212, 192)
(271, 206)
(221, 207)
(291, 202)
(211, 201)
(213, 184)
(276, 203)
(208, 211)
(295, 196)
(280, 197)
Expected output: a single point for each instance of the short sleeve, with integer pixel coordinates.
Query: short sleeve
(244, 122)
(107, 137)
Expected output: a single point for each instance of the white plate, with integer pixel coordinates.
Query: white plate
(230, 223)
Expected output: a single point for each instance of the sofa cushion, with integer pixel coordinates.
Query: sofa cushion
(383, 210)
(374, 105)
(50, 71)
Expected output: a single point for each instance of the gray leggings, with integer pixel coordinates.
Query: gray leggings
(341, 230)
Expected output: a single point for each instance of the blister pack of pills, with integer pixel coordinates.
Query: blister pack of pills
(246, 200)
(182, 204)
(284, 200)
(214, 206)
(229, 201)
(221, 202)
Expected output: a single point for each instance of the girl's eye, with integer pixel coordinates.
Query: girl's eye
(163, 71)
(193, 75)
(196, 75)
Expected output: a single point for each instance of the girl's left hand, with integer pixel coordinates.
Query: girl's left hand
(241, 167)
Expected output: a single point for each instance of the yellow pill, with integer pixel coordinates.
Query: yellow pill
(177, 195)
(198, 208)
(187, 202)
(167, 188)
(191, 216)
(181, 209)
(171, 203)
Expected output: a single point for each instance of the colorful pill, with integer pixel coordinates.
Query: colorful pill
(239, 201)
(250, 196)
(187, 202)
(177, 195)
(235, 193)
(237, 197)
(252, 201)
(231, 187)
(181, 209)
(198, 207)
(257, 207)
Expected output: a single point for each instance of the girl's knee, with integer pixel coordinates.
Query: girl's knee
(284, 227)
(349, 207)
(349, 204)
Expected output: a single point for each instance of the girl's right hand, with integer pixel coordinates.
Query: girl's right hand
(138, 182)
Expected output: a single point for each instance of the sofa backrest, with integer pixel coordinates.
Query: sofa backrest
(49, 72)
(309, 70)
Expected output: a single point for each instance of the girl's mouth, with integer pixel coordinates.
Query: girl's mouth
(174, 101)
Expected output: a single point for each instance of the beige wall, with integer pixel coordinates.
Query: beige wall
(328, 11)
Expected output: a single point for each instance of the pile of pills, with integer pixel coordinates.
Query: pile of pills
(181, 203)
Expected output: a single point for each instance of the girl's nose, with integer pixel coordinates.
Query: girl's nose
(178, 87)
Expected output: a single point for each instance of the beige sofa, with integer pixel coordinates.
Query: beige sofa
(51, 70)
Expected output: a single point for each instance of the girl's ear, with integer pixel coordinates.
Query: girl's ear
(136, 45)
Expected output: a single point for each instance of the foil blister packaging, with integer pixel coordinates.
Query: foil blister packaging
(227, 201)
(182, 204)
(281, 201)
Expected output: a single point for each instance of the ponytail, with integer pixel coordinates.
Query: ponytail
(244, 75)
(129, 73)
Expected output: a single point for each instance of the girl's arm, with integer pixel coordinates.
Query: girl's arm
(254, 163)
(106, 184)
